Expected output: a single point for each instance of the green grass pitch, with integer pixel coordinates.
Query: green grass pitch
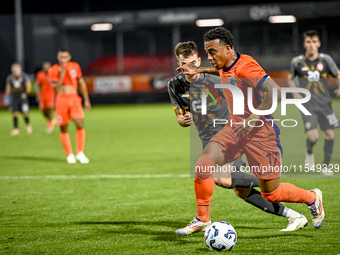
(135, 192)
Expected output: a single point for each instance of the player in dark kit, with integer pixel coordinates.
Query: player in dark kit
(186, 94)
(18, 86)
(311, 71)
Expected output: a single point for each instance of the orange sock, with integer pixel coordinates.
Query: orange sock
(66, 142)
(204, 186)
(288, 192)
(80, 139)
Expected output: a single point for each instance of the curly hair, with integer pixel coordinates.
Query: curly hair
(221, 33)
(186, 49)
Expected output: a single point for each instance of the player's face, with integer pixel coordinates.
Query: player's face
(16, 70)
(190, 60)
(218, 53)
(46, 66)
(63, 57)
(312, 45)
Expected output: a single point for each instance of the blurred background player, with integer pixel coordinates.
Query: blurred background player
(311, 71)
(66, 78)
(185, 93)
(45, 95)
(18, 86)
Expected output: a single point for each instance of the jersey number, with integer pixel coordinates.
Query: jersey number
(332, 119)
(313, 76)
(269, 156)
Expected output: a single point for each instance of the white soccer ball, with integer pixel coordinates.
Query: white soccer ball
(220, 236)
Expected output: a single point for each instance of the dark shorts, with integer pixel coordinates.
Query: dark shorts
(19, 105)
(325, 116)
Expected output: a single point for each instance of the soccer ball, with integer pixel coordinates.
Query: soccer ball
(220, 236)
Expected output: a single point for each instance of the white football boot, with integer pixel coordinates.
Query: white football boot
(296, 223)
(326, 171)
(15, 132)
(194, 226)
(316, 209)
(82, 158)
(71, 159)
(309, 160)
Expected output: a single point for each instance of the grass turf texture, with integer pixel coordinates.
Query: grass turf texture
(139, 215)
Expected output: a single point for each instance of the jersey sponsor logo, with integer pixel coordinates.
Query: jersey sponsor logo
(319, 66)
(308, 125)
(304, 68)
(185, 95)
(205, 93)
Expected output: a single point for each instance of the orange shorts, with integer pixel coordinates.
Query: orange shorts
(68, 106)
(264, 157)
(46, 103)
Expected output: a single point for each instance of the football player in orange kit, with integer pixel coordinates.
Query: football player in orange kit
(66, 78)
(45, 95)
(261, 144)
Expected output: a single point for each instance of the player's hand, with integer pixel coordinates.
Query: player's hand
(6, 102)
(245, 129)
(62, 70)
(87, 105)
(187, 69)
(297, 96)
(337, 92)
(23, 95)
(188, 118)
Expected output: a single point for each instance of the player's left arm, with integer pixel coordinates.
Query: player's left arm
(337, 91)
(268, 86)
(28, 87)
(85, 94)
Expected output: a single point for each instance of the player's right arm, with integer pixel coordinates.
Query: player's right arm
(291, 81)
(183, 118)
(37, 91)
(59, 83)
(192, 70)
(7, 93)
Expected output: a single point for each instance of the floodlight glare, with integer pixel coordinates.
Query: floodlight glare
(101, 27)
(209, 22)
(282, 19)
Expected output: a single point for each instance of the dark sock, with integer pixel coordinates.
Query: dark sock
(240, 179)
(256, 199)
(27, 120)
(310, 145)
(15, 122)
(328, 148)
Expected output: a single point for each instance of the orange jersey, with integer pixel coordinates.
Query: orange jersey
(245, 72)
(72, 75)
(46, 89)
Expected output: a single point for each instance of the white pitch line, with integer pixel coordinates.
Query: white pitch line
(136, 176)
(100, 176)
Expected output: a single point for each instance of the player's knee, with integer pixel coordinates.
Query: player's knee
(274, 196)
(223, 182)
(205, 166)
(313, 137)
(329, 134)
(242, 192)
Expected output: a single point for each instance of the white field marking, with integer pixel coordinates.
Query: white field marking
(99, 176)
(136, 176)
